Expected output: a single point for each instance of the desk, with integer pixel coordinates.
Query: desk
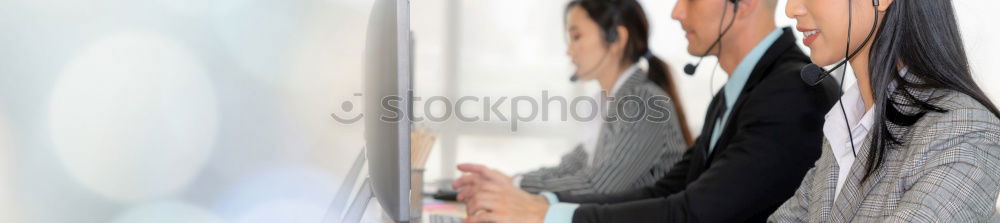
(374, 214)
(438, 207)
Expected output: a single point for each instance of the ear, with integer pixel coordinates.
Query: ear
(883, 5)
(746, 7)
(623, 35)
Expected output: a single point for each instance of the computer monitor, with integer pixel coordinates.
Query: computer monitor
(387, 106)
(387, 84)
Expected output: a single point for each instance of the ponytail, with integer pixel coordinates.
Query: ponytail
(609, 14)
(660, 74)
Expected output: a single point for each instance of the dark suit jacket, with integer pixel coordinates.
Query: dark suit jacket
(773, 136)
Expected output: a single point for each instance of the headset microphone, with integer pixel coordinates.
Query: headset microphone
(812, 74)
(690, 68)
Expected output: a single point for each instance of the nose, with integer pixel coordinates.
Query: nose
(678, 13)
(794, 9)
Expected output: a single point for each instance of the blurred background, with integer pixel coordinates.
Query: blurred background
(219, 111)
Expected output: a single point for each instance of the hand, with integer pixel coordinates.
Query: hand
(490, 196)
(476, 176)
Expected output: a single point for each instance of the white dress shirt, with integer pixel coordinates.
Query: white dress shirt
(835, 130)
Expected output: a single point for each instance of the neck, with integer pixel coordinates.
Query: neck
(610, 77)
(738, 45)
(859, 64)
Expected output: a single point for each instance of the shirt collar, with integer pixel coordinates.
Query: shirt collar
(854, 106)
(739, 78)
(860, 119)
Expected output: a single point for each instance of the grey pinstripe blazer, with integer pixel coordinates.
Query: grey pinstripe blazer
(629, 154)
(947, 170)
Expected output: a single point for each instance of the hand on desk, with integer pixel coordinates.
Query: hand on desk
(490, 196)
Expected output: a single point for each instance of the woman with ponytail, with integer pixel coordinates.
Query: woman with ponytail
(630, 145)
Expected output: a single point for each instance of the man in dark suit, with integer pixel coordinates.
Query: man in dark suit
(762, 132)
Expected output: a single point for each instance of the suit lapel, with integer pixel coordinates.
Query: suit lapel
(853, 193)
(829, 172)
(760, 70)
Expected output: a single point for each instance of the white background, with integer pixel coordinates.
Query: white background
(218, 111)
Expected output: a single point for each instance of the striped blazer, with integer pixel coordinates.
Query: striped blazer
(946, 170)
(629, 154)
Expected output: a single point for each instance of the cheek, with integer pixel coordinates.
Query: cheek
(832, 42)
(830, 47)
(589, 54)
(702, 36)
(864, 17)
(823, 55)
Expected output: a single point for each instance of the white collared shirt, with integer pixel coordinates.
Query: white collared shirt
(835, 130)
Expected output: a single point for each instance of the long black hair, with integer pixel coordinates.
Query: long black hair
(922, 35)
(609, 14)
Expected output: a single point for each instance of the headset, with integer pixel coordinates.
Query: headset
(812, 74)
(689, 69)
(610, 36)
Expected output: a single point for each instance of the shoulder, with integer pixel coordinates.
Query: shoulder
(964, 116)
(783, 90)
(641, 93)
(640, 85)
(643, 104)
(967, 132)
(786, 80)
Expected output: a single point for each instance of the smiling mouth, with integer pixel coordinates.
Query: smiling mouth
(810, 37)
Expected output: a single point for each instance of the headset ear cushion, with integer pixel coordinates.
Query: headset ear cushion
(612, 35)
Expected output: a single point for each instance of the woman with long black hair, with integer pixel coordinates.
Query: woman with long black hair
(916, 139)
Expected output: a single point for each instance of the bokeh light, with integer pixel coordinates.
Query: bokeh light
(324, 75)
(167, 212)
(282, 193)
(8, 203)
(291, 211)
(258, 33)
(133, 116)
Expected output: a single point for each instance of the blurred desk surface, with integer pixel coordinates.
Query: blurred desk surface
(439, 207)
(430, 207)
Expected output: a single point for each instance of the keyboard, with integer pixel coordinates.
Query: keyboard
(445, 219)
